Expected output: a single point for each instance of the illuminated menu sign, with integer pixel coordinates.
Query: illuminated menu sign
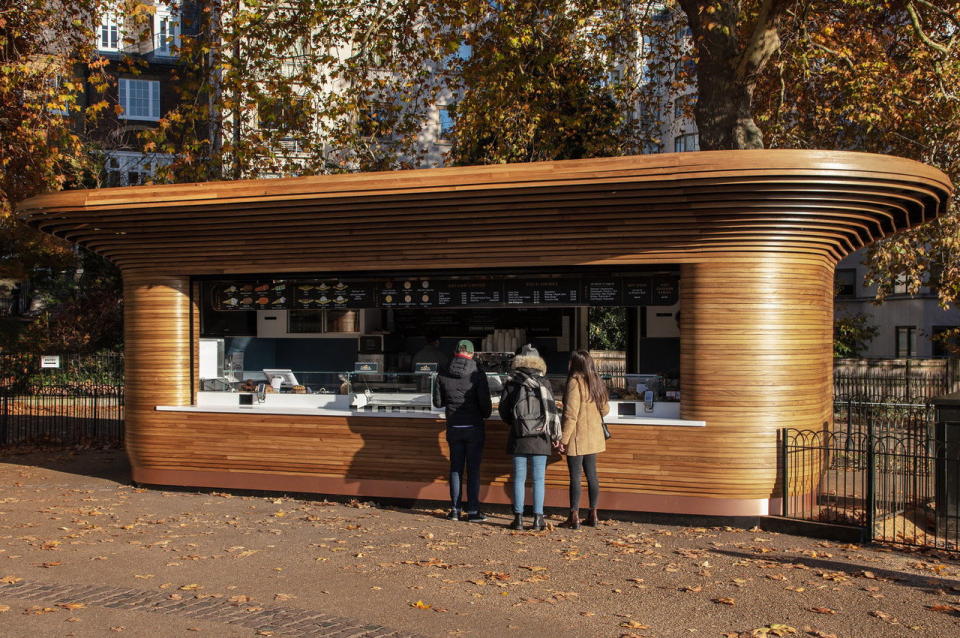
(539, 292)
(426, 292)
(603, 292)
(331, 294)
(252, 295)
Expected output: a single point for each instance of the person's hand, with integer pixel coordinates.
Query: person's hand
(559, 447)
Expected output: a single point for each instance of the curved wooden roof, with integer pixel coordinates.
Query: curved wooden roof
(678, 207)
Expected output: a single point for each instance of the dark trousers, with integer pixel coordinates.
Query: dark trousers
(588, 464)
(466, 449)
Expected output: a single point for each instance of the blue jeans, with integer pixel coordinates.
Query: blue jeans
(539, 463)
(466, 449)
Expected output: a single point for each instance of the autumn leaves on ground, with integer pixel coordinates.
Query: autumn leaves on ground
(72, 518)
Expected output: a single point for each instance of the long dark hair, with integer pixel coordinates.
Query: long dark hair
(582, 365)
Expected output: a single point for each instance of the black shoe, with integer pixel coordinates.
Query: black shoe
(453, 515)
(538, 523)
(517, 522)
(475, 517)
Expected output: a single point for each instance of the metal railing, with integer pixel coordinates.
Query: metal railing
(883, 468)
(80, 402)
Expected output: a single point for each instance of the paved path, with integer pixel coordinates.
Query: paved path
(85, 554)
(265, 620)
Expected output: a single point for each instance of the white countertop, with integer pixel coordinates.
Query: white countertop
(341, 412)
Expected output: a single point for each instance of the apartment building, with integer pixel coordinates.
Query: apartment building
(906, 323)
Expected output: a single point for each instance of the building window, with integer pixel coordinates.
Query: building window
(906, 342)
(377, 121)
(166, 29)
(686, 143)
(846, 283)
(446, 122)
(109, 33)
(944, 346)
(140, 99)
(900, 287)
(126, 168)
(59, 97)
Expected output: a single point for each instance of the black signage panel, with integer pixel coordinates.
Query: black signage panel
(665, 291)
(253, 295)
(637, 292)
(464, 293)
(603, 292)
(388, 296)
(538, 292)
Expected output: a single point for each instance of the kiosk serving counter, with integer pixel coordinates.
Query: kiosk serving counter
(749, 238)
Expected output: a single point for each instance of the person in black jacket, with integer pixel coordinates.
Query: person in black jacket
(526, 379)
(463, 391)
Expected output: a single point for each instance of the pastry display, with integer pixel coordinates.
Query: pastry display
(263, 301)
(262, 288)
(246, 301)
(278, 301)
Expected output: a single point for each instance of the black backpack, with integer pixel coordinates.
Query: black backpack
(529, 415)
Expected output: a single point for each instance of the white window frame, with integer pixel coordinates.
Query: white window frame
(166, 30)
(124, 86)
(123, 163)
(109, 21)
(686, 142)
(444, 135)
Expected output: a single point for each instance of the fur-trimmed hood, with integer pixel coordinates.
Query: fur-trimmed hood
(528, 361)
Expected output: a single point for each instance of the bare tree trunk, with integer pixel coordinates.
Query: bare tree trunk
(727, 67)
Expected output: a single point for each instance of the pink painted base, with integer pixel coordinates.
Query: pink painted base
(663, 503)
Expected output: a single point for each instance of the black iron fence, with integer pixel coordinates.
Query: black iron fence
(66, 415)
(78, 402)
(885, 468)
(894, 380)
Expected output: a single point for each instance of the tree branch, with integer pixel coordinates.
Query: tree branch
(764, 39)
(918, 28)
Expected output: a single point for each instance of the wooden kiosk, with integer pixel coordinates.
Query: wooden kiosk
(754, 236)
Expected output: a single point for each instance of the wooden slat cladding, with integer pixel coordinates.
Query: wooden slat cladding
(663, 207)
(756, 235)
(756, 354)
(158, 347)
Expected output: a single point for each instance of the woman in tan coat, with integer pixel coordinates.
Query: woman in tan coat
(584, 405)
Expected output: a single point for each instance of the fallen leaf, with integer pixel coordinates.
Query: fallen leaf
(534, 568)
(725, 601)
(884, 616)
(10, 580)
(944, 608)
(692, 588)
(4, 608)
(117, 628)
(822, 610)
(774, 629)
(633, 624)
(420, 605)
(71, 605)
(191, 587)
(283, 597)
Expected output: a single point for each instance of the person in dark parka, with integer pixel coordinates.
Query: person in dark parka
(463, 391)
(527, 378)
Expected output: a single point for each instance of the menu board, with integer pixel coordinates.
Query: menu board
(331, 294)
(539, 292)
(636, 292)
(466, 292)
(665, 291)
(426, 292)
(252, 295)
(603, 292)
